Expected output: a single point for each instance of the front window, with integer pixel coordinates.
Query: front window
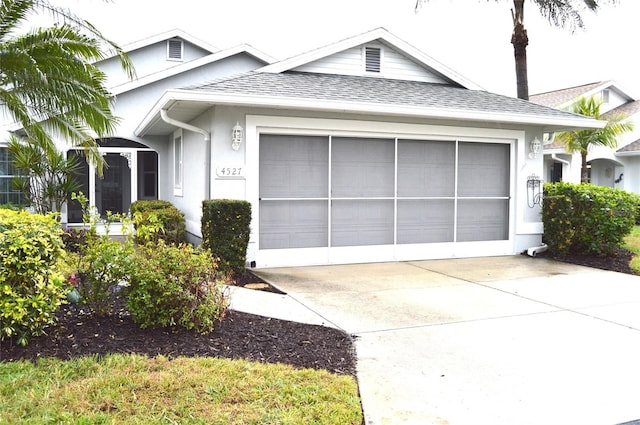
(7, 173)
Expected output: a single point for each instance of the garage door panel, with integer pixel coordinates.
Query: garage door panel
(426, 168)
(425, 221)
(483, 169)
(294, 167)
(483, 220)
(361, 222)
(293, 224)
(362, 167)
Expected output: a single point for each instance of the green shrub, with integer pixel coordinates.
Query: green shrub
(102, 264)
(171, 219)
(31, 290)
(587, 219)
(175, 286)
(103, 267)
(225, 232)
(636, 201)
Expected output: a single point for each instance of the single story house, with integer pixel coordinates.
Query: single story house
(360, 151)
(612, 167)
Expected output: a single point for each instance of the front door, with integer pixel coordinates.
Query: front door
(113, 192)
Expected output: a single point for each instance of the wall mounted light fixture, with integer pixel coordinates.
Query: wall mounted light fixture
(236, 137)
(534, 148)
(534, 191)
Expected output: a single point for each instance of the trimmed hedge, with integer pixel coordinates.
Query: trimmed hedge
(171, 218)
(225, 232)
(586, 219)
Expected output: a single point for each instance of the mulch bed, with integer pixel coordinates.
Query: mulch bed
(238, 335)
(617, 262)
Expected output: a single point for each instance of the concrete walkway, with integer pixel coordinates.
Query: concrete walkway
(503, 340)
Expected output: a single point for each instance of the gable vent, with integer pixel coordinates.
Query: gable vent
(372, 59)
(174, 49)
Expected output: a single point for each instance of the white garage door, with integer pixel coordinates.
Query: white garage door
(332, 192)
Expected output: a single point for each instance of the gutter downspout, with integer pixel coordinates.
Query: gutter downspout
(207, 139)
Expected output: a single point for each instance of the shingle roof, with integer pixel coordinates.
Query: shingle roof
(558, 97)
(631, 147)
(378, 91)
(628, 109)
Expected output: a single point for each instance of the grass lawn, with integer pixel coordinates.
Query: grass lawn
(632, 243)
(132, 389)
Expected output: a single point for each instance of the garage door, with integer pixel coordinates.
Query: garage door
(333, 192)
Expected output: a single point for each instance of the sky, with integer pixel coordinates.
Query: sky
(472, 37)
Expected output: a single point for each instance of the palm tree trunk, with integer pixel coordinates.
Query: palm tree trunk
(520, 41)
(584, 176)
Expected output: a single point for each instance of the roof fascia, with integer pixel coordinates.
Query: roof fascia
(187, 66)
(376, 34)
(549, 123)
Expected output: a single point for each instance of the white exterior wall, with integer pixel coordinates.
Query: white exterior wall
(525, 222)
(351, 62)
(631, 178)
(148, 60)
(195, 168)
(615, 100)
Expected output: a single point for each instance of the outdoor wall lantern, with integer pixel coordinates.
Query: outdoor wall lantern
(236, 137)
(534, 191)
(534, 148)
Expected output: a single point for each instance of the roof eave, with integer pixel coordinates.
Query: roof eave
(548, 123)
(187, 66)
(628, 153)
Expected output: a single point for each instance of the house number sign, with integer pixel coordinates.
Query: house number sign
(230, 170)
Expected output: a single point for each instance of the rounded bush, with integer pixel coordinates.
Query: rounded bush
(175, 286)
(31, 289)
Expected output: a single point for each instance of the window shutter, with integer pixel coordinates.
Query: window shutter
(174, 49)
(372, 59)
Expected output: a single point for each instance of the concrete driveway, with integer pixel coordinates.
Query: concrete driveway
(504, 340)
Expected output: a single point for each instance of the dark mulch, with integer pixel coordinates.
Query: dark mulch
(617, 262)
(238, 335)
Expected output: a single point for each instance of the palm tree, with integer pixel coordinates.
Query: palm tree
(566, 13)
(583, 140)
(48, 83)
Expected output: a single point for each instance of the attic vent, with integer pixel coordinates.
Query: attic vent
(372, 57)
(605, 96)
(174, 49)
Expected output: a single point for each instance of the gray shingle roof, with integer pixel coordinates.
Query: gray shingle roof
(374, 91)
(558, 97)
(628, 109)
(631, 147)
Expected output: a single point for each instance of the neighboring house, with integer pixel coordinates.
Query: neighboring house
(363, 150)
(619, 167)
